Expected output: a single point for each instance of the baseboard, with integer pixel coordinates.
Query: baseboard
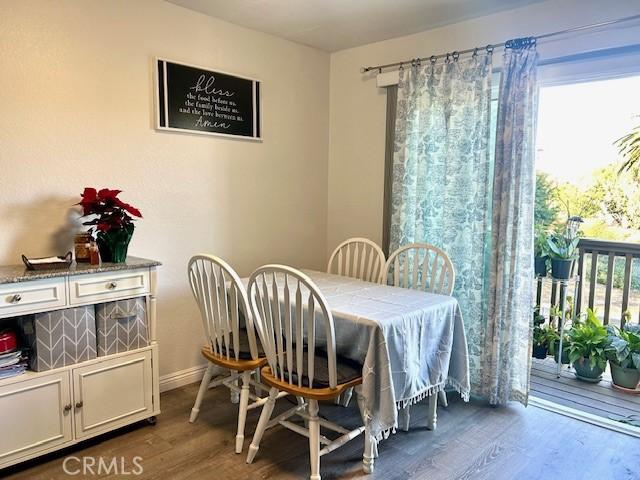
(584, 416)
(181, 378)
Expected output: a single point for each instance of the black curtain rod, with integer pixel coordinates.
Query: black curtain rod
(491, 47)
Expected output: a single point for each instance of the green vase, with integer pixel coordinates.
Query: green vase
(113, 245)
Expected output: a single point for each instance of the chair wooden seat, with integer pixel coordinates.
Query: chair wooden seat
(231, 363)
(347, 378)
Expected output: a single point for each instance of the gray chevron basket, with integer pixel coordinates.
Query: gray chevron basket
(121, 326)
(60, 338)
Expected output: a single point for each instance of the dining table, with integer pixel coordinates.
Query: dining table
(411, 344)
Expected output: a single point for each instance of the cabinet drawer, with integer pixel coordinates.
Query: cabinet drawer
(17, 298)
(108, 286)
(112, 393)
(36, 415)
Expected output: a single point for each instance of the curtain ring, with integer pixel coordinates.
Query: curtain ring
(455, 55)
(380, 70)
(433, 59)
(489, 49)
(475, 53)
(448, 58)
(401, 67)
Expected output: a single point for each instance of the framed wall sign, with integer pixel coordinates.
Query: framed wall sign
(197, 100)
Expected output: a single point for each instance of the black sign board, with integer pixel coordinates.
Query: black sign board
(193, 99)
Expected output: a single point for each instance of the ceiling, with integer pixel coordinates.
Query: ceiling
(332, 25)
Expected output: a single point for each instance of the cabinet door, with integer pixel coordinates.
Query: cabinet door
(112, 393)
(36, 415)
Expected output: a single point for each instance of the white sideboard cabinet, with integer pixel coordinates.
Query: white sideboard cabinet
(44, 411)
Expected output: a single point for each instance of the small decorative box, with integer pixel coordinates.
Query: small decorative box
(60, 338)
(121, 326)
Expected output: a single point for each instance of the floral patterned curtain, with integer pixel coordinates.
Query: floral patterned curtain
(507, 351)
(441, 186)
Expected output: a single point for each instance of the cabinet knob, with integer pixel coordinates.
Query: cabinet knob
(112, 285)
(16, 298)
(79, 404)
(67, 407)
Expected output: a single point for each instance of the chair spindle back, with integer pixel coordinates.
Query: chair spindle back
(421, 266)
(287, 306)
(358, 258)
(223, 302)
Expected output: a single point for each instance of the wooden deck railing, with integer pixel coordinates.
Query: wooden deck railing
(601, 264)
(617, 254)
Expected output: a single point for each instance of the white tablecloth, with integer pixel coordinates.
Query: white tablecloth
(411, 344)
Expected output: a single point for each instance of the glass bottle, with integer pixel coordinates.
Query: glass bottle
(82, 242)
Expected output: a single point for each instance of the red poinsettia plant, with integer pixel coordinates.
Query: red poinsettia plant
(110, 212)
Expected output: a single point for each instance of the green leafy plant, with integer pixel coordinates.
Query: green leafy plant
(544, 336)
(588, 340)
(563, 247)
(554, 310)
(555, 343)
(624, 347)
(540, 245)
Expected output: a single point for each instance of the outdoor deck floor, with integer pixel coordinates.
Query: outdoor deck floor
(598, 399)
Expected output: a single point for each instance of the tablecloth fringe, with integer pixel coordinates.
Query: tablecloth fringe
(432, 390)
(458, 387)
(383, 435)
(450, 382)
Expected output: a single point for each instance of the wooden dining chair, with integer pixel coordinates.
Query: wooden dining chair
(357, 258)
(231, 341)
(420, 266)
(296, 329)
(425, 267)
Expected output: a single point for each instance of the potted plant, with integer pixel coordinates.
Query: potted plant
(587, 344)
(541, 253)
(624, 357)
(542, 337)
(112, 221)
(539, 345)
(563, 250)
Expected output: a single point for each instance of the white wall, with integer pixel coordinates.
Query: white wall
(357, 116)
(76, 99)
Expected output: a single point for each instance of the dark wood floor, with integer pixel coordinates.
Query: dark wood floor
(596, 398)
(472, 442)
